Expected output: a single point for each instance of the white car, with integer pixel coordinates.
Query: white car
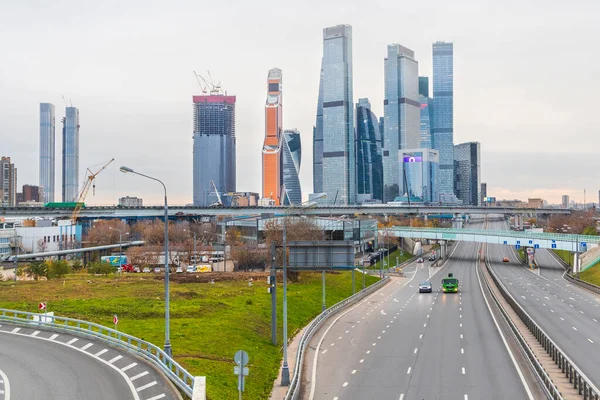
(179, 270)
(146, 269)
(191, 269)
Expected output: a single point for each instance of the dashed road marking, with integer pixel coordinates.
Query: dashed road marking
(324, 351)
(128, 367)
(35, 333)
(117, 358)
(133, 378)
(87, 346)
(353, 371)
(98, 354)
(345, 384)
(53, 337)
(590, 340)
(463, 370)
(409, 369)
(416, 349)
(70, 342)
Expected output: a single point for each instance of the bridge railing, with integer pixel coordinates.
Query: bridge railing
(293, 392)
(180, 377)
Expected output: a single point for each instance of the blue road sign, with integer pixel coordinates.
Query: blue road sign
(583, 244)
(553, 241)
(531, 242)
(506, 242)
(518, 246)
(553, 245)
(518, 242)
(536, 246)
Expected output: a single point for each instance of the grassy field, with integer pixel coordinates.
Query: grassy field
(565, 255)
(209, 322)
(401, 258)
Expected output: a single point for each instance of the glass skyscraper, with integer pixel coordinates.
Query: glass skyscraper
(401, 111)
(369, 167)
(443, 112)
(47, 150)
(214, 147)
(291, 158)
(271, 151)
(419, 169)
(426, 112)
(70, 155)
(467, 165)
(335, 119)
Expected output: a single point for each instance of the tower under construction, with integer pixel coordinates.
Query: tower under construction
(271, 152)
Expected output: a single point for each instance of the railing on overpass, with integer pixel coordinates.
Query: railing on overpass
(557, 241)
(180, 377)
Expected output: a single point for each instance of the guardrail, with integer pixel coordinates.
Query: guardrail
(574, 280)
(580, 382)
(294, 388)
(180, 377)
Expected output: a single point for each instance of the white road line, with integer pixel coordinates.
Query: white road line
(416, 349)
(368, 351)
(87, 346)
(146, 386)
(53, 337)
(332, 344)
(374, 344)
(551, 310)
(70, 342)
(340, 338)
(353, 371)
(462, 351)
(562, 319)
(460, 324)
(117, 358)
(421, 336)
(378, 337)
(324, 351)
(409, 369)
(128, 367)
(461, 335)
(6, 385)
(581, 312)
(574, 328)
(593, 319)
(35, 333)
(345, 384)
(402, 396)
(466, 397)
(98, 354)
(162, 396)
(362, 360)
(590, 340)
(133, 378)
(16, 330)
(463, 370)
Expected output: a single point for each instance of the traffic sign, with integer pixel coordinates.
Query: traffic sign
(506, 242)
(236, 370)
(518, 242)
(115, 319)
(536, 246)
(518, 246)
(241, 358)
(553, 245)
(42, 306)
(583, 244)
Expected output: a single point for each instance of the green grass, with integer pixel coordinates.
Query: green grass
(401, 258)
(591, 275)
(565, 255)
(209, 322)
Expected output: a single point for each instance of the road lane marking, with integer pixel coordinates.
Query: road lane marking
(409, 369)
(461, 335)
(368, 351)
(117, 358)
(324, 351)
(16, 330)
(574, 328)
(416, 349)
(98, 354)
(402, 396)
(6, 385)
(87, 346)
(362, 360)
(462, 351)
(162, 396)
(35, 333)
(146, 386)
(421, 336)
(53, 337)
(345, 384)
(463, 370)
(70, 342)
(353, 371)
(461, 324)
(340, 338)
(551, 310)
(590, 340)
(332, 344)
(128, 367)
(581, 312)
(133, 378)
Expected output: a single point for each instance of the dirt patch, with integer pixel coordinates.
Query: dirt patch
(217, 277)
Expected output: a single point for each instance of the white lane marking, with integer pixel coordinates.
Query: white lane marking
(383, 312)
(340, 338)
(590, 340)
(374, 344)
(460, 324)
(128, 367)
(462, 351)
(424, 325)
(466, 397)
(551, 310)
(162, 396)
(421, 336)
(581, 312)
(593, 319)
(324, 351)
(378, 337)
(345, 384)
(461, 335)
(53, 337)
(368, 351)
(16, 330)
(332, 344)
(146, 386)
(70, 342)
(463, 370)
(6, 385)
(117, 358)
(562, 319)
(362, 360)
(402, 396)
(87, 346)
(416, 349)
(353, 371)
(98, 354)
(133, 378)
(35, 333)
(409, 369)
(574, 328)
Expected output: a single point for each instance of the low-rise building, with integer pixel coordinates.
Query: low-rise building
(128, 201)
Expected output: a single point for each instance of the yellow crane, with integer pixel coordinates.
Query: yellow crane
(89, 180)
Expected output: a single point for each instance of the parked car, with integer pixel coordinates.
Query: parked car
(156, 270)
(191, 269)
(146, 270)
(420, 259)
(179, 270)
(136, 269)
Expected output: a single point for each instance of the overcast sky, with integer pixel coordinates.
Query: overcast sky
(526, 82)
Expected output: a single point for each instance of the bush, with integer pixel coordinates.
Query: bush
(37, 270)
(58, 269)
(99, 267)
(76, 264)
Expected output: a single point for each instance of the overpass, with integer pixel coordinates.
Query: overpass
(109, 212)
(557, 241)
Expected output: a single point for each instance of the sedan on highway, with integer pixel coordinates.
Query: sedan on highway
(505, 259)
(425, 287)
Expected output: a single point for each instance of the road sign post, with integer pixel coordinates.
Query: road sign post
(115, 321)
(240, 369)
(272, 281)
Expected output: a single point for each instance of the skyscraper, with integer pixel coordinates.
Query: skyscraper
(483, 193)
(271, 152)
(443, 112)
(565, 201)
(318, 141)
(70, 155)
(8, 183)
(401, 108)
(47, 150)
(291, 158)
(214, 147)
(420, 172)
(426, 111)
(467, 165)
(369, 167)
(337, 120)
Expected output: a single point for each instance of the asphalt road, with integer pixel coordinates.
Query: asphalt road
(400, 344)
(37, 364)
(568, 314)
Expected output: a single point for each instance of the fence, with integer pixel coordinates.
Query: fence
(180, 377)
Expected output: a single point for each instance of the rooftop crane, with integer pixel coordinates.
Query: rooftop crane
(89, 181)
(198, 77)
(219, 201)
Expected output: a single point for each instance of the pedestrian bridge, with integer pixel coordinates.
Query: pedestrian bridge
(557, 241)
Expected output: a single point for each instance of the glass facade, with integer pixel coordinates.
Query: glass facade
(443, 112)
(70, 155)
(401, 108)
(419, 169)
(8, 183)
(369, 167)
(467, 166)
(271, 151)
(318, 141)
(426, 112)
(336, 100)
(291, 158)
(47, 150)
(214, 147)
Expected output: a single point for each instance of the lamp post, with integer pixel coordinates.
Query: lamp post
(168, 349)
(120, 246)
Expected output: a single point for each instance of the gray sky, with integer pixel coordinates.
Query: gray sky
(526, 76)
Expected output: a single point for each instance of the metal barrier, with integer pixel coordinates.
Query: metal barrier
(294, 389)
(180, 377)
(572, 279)
(580, 382)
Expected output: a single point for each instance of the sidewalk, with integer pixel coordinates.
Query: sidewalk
(279, 391)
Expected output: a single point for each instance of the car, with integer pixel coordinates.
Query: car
(505, 259)
(420, 259)
(425, 287)
(146, 269)
(156, 270)
(191, 268)
(179, 270)
(432, 257)
(136, 269)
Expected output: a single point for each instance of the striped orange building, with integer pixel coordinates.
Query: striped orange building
(271, 152)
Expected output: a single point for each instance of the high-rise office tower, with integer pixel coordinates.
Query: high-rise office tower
(565, 201)
(426, 111)
(401, 108)
(271, 152)
(31, 193)
(483, 193)
(467, 165)
(420, 173)
(214, 147)
(318, 141)
(47, 150)
(8, 183)
(369, 167)
(338, 178)
(70, 155)
(443, 112)
(291, 156)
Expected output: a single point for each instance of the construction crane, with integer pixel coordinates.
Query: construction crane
(213, 88)
(219, 202)
(89, 181)
(198, 77)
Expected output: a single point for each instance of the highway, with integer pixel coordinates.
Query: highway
(37, 364)
(399, 344)
(568, 314)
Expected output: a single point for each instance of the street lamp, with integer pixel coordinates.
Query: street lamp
(168, 349)
(120, 246)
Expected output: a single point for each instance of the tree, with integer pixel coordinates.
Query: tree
(58, 269)
(100, 268)
(590, 230)
(42, 245)
(37, 270)
(106, 232)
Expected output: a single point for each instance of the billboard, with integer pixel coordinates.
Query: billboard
(412, 159)
(322, 254)
(114, 260)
